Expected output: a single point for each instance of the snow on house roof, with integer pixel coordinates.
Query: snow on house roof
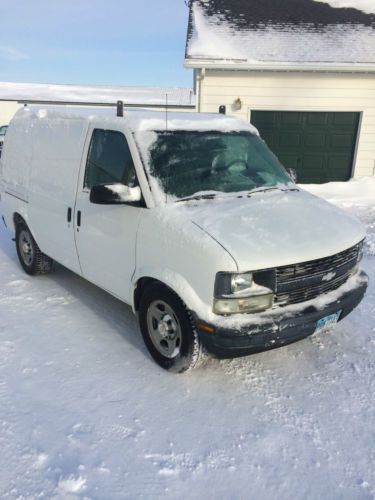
(284, 31)
(367, 6)
(141, 96)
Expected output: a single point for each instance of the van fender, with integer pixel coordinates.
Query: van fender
(176, 283)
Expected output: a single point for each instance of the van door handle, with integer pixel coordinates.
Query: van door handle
(69, 216)
(79, 218)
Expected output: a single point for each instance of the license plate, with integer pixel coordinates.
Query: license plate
(328, 321)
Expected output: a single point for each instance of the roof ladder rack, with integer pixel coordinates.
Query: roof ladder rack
(120, 108)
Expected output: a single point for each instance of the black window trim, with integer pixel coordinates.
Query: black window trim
(85, 188)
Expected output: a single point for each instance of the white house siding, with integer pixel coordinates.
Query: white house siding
(7, 110)
(297, 92)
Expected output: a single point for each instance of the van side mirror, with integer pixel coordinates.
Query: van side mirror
(292, 172)
(115, 194)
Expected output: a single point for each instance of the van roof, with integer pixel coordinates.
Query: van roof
(141, 120)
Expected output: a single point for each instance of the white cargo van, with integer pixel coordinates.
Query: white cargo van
(190, 219)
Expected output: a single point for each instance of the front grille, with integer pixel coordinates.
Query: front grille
(306, 281)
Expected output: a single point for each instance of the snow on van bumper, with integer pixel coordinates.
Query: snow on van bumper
(285, 327)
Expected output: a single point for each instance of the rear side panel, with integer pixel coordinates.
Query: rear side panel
(41, 163)
(15, 166)
(58, 145)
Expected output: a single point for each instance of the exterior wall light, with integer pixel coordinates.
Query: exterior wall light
(237, 105)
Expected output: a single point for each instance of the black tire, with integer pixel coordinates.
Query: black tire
(188, 349)
(32, 260)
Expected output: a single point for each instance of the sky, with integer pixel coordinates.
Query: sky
(115, 42)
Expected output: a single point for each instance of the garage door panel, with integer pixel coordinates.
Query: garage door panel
(319, 145)
(291, 119)
(335, 177)
(313, 162)
(341, 141)
(348, 119)
(290, 140)
(337, 161)
(316, 119)
(308, 178)
(289, 161)
(314, 141)
(266, 119)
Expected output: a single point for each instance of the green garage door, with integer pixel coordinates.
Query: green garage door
(320, 146)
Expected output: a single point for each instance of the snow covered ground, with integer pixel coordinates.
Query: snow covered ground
(85, 413)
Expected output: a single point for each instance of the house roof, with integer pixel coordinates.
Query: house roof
(281, 32)
(99, 95)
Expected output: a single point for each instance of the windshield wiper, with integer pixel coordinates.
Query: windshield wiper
(264, 190)
(211, 196)
(198, 197)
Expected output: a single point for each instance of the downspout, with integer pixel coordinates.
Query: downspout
(201, 73)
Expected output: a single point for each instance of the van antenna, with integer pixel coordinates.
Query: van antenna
(166, 112)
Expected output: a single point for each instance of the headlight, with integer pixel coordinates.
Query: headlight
(238, 293)
(241, 282)
(258, 303)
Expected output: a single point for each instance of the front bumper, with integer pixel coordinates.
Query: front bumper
(279, 331)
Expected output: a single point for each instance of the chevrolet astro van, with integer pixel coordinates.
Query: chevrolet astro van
(188, 218)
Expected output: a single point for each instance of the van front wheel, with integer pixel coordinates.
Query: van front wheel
(168, 330)
(31, 258)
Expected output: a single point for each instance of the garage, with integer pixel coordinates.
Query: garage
(320, 146)
(303, 71)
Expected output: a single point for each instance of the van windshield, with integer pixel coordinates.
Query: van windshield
(186, 163)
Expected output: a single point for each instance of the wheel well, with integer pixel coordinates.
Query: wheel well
(141, 286)
(17, 218)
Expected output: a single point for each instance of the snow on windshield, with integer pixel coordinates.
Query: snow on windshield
(145, 139)
(182, 164)
(146, 127)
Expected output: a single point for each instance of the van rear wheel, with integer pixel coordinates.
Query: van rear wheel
(31, 258)
(168, 330)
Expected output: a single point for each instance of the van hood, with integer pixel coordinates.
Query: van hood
(277, 228)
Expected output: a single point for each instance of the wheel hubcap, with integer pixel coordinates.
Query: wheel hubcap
(26, 247)
(164, 328)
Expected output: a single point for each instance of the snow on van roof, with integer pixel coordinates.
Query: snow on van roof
(143, 120)
(96, 94)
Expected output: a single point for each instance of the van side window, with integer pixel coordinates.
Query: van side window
(109, 160)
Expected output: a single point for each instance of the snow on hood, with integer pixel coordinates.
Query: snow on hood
(277, 228)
